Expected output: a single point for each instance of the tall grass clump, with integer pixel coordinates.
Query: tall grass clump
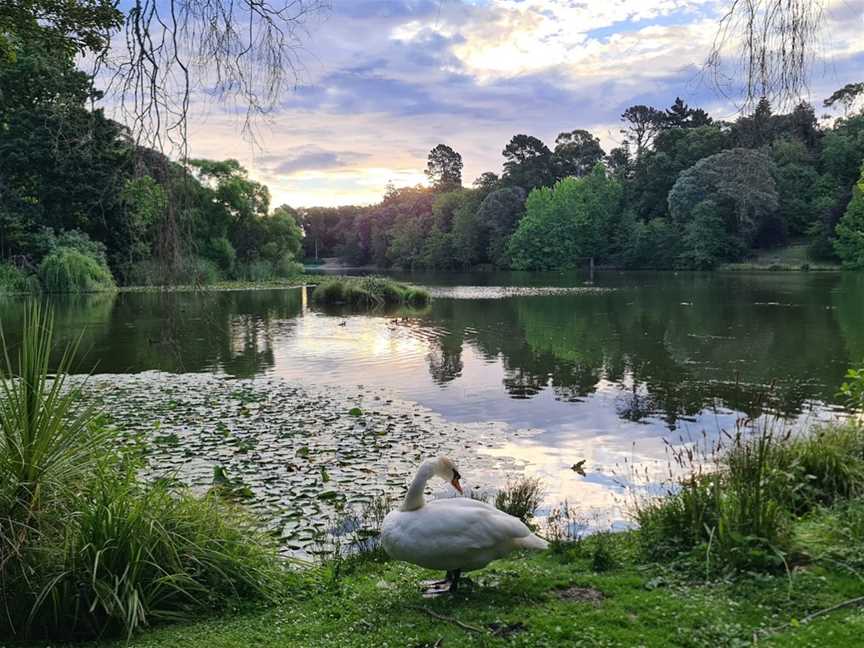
(368, 292)
(85, 548)
(734, 502)
(68, 270)
(521, 498)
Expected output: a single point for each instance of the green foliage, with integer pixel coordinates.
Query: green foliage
(655, 244)
(528, 163)
(68, 270)
(444, 168)
(853, 388)
(368, 292)
(706, 240)
(849, 243)
(88, 550)
(67, 168)
(222, 253)
(14, 280)
(567, 223)
(739, 515)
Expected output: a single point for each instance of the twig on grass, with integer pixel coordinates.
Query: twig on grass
(441, 617)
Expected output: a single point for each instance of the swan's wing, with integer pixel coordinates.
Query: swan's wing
(478, 523)
(452, 534)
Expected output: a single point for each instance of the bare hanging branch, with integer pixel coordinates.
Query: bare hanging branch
(765, 48)
(241, 52)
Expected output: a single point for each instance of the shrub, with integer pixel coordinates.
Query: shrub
(853, 389)
(13, 280)
(150, 553)
(416, 297)
(287, 266)
(198, 271)
(258, 270)
(222, 253)
(329, 292)
(821, 468)
(68, 270)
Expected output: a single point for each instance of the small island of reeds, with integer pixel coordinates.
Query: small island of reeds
(368, 292)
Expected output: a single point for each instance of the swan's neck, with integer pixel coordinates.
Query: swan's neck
(414, 496)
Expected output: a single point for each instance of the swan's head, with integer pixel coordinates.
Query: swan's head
(446, 470)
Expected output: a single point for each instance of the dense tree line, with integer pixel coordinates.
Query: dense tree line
(82, 206)
(682, 191)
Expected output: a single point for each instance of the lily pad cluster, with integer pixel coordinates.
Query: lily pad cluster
(301, 459)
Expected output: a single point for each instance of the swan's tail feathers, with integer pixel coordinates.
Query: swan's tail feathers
(531, 541)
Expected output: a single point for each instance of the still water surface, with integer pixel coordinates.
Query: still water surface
(604, 371)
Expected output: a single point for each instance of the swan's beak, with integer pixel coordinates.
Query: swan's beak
(455, 483)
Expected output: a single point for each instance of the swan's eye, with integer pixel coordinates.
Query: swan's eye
(456, 474)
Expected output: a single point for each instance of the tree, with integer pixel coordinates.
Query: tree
(444, 168)
(74, 27)
(741, 186)
(62, 166)
(680, 115)
(653, 245)
(798, 184)
(707, 241)
(487, 182)
(849, 243)
(527, 163)
(619, 161)
(847, 95)
(576, 153)
(643, 123)
(565, 224)
(500, 213)
(675, 149)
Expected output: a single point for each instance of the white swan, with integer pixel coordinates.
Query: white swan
(454, 535)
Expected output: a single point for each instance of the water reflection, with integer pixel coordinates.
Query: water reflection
(669, 346)
(603, 375)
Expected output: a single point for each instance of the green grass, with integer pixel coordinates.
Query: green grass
(792, 257)
(376, 603)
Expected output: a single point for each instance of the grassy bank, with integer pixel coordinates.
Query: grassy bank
(767, 549)
(565, 598)
(791, 258)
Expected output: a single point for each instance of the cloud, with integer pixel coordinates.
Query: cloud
(387, 80)
(314, 159)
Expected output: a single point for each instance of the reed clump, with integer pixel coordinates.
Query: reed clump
(734, 502)
(368, 292)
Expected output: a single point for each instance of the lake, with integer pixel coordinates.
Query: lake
(552, 368)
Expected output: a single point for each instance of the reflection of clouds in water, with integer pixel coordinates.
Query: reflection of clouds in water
(502, 292)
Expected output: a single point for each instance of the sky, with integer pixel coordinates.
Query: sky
(384, 81)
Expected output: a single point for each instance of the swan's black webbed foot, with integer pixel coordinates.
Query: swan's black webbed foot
(449, 585)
